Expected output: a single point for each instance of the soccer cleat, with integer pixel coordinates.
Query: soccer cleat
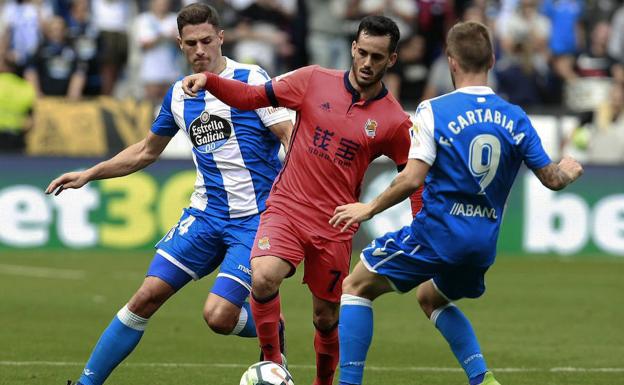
(489, 379)
(282, 340)
(69, 382)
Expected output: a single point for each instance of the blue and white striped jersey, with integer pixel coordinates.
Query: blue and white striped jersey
(475, 143)
(236, 155)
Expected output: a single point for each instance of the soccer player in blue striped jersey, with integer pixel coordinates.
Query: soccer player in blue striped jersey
(467, 147)
(236, 155)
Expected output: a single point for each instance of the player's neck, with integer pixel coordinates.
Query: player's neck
(471, 80)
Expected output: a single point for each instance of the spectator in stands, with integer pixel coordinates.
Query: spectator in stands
(601, 140)
(408, 77)
(157, 34)
(86, 41)
(522, 70)
(402, 12)
(595, 61)
(435, 18)
(112, 18)
(22, 21)
(261, 35)
(17, 98)
(616, 44)
(439, 81)
(328, 40)
(567, 34)
(598, 11)
(55, 69)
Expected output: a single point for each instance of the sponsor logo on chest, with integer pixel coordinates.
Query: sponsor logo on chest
(209, 132)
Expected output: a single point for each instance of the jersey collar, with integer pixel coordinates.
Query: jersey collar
(355, 95)
(476, 90)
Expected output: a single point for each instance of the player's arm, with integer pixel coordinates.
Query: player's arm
(231, 92)
(556, 176)
(403, 185)
(288, 90)
(131, 159)
(282, 130)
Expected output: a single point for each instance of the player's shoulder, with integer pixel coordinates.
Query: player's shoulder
(313, 70)
(514, 111)
(250, 72)
(327, 71)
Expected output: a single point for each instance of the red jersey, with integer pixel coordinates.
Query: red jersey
(336, 137)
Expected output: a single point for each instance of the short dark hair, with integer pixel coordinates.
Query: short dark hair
(470, 44)
(380, 26)
(198, 13)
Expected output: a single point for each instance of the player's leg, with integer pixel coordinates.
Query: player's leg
(226, 310)
(275, 255)
(390, 262)
(355, 328)
(189, 251)
(326, 266)
(126, 329)
(268, 272)
(450, 320)
(325, 320)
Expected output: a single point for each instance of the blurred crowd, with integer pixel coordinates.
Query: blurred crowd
(565, 56)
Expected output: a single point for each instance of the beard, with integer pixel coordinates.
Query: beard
(362, 83)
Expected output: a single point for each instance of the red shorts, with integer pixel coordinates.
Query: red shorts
(326, 262)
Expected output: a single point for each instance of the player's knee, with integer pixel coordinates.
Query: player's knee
(349, 286)
(428, 302)
(264, 282)
(146, 301)
(220, 320)
(325, 319)
(357, 287)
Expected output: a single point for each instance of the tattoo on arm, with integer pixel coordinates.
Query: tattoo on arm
(553, 177)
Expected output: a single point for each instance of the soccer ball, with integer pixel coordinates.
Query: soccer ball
(266, 373)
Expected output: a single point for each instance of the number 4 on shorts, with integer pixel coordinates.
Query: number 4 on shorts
(184, 225)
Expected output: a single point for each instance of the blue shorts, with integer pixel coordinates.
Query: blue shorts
(198, 244)
(399, 257)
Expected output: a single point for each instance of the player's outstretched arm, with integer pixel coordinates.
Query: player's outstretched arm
(234, 93)
(557, 176)
(131, 159)
(403, 185)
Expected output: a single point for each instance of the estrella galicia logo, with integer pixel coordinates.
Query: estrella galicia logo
(209, 132)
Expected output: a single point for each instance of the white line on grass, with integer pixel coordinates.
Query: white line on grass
(41, 272)
(371, 368)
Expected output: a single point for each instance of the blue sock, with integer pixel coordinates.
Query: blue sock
(355, 333)
(458, 332)
(116, 342)
(246, 327)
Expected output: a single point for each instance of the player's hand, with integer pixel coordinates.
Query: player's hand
(192, 84)
(65, 181)
(350, 214)
(571, 168)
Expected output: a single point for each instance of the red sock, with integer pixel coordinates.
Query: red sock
(267, 315)
(326, 347)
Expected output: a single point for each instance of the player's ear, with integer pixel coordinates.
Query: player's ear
(452, 64)
(179, 42)
(392, 60)
(492, 62)
(353, 45)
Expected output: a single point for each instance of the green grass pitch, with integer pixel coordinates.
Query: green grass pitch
(542, 321)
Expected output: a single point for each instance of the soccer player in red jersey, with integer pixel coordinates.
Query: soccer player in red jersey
(344, 121)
